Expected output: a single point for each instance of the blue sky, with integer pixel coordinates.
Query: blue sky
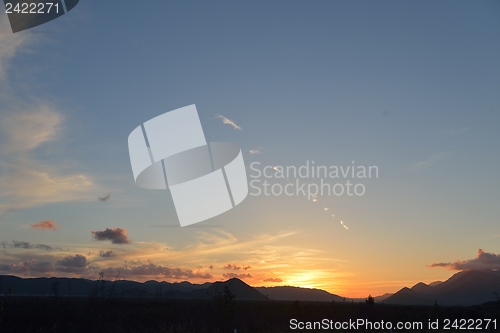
(411, 87)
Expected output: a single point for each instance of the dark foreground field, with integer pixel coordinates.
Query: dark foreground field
(94, 315)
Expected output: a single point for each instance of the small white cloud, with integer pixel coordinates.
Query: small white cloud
(346, 227)
(254, 151)
(227, 121)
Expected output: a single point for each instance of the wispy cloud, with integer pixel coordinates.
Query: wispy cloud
(152, 270)
(269, 255)
(429, 161)
(28, 181)
(460, 130)
(254, 151)
(26, 130)
(45, 225)
(10, 44)
(483, 260)
(227, 121)
(26, 187)
(28, 124)
(28, 245)
(275, 280)
(276, 254)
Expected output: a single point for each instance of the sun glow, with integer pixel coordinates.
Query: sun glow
(304, 279)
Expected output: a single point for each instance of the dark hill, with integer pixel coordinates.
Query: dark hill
(238, 288)
(435, 283)
(463, 288)
(421, 288)
(84, 287)
(287, 293)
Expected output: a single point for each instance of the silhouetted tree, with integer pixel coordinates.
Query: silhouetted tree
(101, 280)
(1, 302)
(55, 289)
(225, 306)
(436, 309)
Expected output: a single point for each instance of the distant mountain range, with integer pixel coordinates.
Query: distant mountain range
(154, 289)
(464, 288)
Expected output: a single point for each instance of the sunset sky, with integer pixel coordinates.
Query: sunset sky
(409, 87)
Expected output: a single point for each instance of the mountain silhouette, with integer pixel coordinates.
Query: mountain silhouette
(464, 288)
(382, 297)
(153, 289)
(83, 287)
(287, 293)
(124, 288)
(421, 288)
(238, 288)
(435, 283)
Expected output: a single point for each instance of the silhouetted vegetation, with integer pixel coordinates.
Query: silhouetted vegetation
(221, 313)
(107, 309)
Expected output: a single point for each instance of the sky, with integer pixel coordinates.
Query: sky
(408, 87)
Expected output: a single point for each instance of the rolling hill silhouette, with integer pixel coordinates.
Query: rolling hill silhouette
(124, 288)
(151, 289)
(84, 287)
(287, 293)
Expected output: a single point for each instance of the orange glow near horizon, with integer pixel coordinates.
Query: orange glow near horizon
(264, 260)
